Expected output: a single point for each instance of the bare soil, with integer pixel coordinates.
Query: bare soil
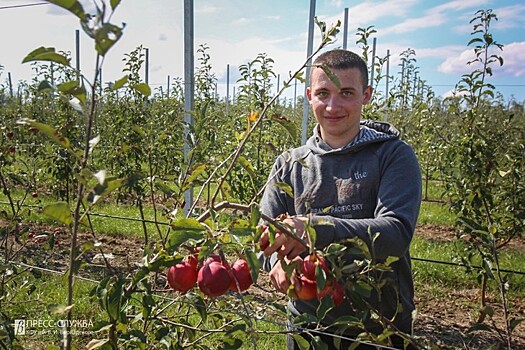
(444, 314)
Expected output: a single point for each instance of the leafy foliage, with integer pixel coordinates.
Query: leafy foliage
(81, 143)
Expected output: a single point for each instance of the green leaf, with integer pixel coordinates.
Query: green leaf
(49, 131)
(46, 54)
(479, 327)
(285, 187)
(226, 190)
(363, 289)
(487, 310)
(164, 188)
(142, 88)
(351, 321)
(390, 260)
(195, 172)
(45, 86)
(334, 78)
(74, 88)
(305, 319)
(114, 4)
(114, 299)
(324, 306)
(96, 343)
(199, 304)
(255, 215)
(241, 227)
(72, 6)
(514, 322)
(108, 186)
(106, 37)
(182, 231)
(247, 166)
(253, 263)
(475, 40)
(287, 124)
(301, 341)
(59, 211)
(119, 83)
(55, 309)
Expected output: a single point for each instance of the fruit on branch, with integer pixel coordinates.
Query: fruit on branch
(193, 261)
(310, 264)
(217, 258)
(265, 243)
(213, 278)
(335, 290)
(182, 277)
(305, 289)
(241, 271)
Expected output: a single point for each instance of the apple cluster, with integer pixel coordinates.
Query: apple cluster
(306, 286)
(214, 276)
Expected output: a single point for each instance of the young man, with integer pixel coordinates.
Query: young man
(357, 176)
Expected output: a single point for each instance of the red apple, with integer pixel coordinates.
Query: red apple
(182, 277)
(335, 290)
(310, 264)
(213, 279)
(307, 288)
(192, 260)
(241, 271)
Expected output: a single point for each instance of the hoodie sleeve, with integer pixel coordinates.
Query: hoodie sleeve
(396, 212)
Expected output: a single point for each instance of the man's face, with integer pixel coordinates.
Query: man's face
(338, 109)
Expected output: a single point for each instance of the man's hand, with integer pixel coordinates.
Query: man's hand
(279, 279)
(286, 247)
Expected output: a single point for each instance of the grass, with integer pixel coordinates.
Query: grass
(111, 219)
(32, 300)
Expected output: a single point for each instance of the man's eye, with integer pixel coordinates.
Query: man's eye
(322, 94)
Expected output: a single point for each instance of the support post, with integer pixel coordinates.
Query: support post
(309, 51)
(189, 87)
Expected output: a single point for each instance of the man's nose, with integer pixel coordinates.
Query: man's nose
(333, 103)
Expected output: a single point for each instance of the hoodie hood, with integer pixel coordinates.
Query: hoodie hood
(371, 132)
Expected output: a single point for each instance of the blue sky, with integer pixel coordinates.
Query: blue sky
(237, 30)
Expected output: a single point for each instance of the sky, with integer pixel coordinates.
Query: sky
(236, 31)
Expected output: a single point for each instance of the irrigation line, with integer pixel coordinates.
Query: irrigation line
(284, 325)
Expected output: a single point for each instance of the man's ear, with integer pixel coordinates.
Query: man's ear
(309, 94)
(367, 94)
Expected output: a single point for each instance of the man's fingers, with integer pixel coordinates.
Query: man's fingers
(276, 246)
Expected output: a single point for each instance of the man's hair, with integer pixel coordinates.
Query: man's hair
(343, 59)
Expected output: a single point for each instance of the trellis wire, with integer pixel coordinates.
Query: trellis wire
(284, 325)
(449, 263)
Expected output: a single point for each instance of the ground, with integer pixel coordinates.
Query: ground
(444, 315)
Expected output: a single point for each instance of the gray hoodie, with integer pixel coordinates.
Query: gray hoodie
(372, 185)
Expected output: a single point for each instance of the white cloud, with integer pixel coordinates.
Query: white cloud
(336, 3)
(434, 17)
(205, 9)
(454, 93)
(456, 5)
(513, 56)
(243, 21)
(413, 24)
(509, 17)
(514, 59)
(369, 11)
